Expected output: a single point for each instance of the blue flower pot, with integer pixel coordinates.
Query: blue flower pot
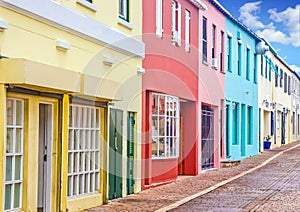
(267, 144)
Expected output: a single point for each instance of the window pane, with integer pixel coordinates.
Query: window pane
(18, 167)
(9, 112)
(18, 144)
(9, 140)
(7, 204)
(19, 113)
(8, 169)
(17, 195)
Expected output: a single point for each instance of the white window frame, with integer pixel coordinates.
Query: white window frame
(13, 153)
(176, 21)
(187, 30)
(165, 141)
(84, 143)
(159, 18)
(124, 10)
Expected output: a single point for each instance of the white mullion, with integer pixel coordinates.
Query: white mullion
(173, 21)
(165, 126)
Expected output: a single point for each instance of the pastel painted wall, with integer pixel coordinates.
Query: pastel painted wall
(241, 93)
(212, 78)
(170, 69)
(93, 36)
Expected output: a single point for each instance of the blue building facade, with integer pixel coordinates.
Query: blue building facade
(241, 91)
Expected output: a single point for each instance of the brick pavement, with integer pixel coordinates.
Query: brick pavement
(155, 198)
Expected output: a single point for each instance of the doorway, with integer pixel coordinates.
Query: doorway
(44, 157)
(115, 154)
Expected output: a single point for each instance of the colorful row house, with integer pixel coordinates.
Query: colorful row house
(70, 103)
(241, 89)
(278, 101)
(170, 90)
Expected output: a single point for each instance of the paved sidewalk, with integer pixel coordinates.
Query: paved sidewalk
(162, 196)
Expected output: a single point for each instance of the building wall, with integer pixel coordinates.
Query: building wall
(172, 70)
(241, 91)
(212, 79)
(34, 62)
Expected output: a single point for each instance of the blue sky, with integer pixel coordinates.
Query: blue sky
(278, 21)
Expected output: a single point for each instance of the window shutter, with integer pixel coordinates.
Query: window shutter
(187, 31)
(159, 29)
(179, 24)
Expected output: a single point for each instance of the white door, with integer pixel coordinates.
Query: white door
(45, 155)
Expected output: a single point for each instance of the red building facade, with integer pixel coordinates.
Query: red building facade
(170, 90)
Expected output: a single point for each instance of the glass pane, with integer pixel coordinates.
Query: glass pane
(92, 117)
(92, 159)
(76, 139)
(75, 185)
(86, 183)
(92, 182)
(97, 118)
(9, 140)
(70, 185)
(76, 163)
(161, 147)
(161, 106)
(17, 195)
(92, 141)
(18, 144)
(84, 117)
(162, 126)
(87, 161)
(70, 162)
(154, 148)
(97, 139)
(154, 104)
(79, 117)
(71, 116)
(87, 139)
(81, 183)
(7, 204)
(8, 169)
(19, 113)
(97, 160)
(18, 162)
(82, 136)
(97, 180)
(9, 112)
(81, 161)
(71, 139)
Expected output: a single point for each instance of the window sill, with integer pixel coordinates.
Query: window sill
(125, 23)
(205, 63)
(87, 5)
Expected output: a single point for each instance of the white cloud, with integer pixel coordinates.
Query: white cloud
(248, 15)
(290, 17)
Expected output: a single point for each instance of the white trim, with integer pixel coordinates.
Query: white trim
(199, 4)
(67, 19)
(240, 41)
(125, 23)
(87, 4)
(3, 25)
(248, 47)
(62, 45)
(229, 34)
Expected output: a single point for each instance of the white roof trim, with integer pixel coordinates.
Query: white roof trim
(64, 18)
(199, 4)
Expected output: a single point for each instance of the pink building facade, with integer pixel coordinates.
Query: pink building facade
(211, 87)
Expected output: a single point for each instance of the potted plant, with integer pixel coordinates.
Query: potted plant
(267, 142)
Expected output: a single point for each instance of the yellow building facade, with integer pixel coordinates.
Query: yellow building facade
(70, 103)
(278, 100)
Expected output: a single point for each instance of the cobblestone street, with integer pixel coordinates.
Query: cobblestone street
(273, 187)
